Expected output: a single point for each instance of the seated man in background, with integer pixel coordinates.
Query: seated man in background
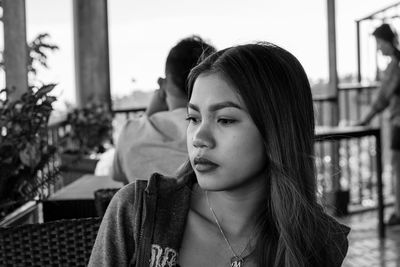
(156, 142)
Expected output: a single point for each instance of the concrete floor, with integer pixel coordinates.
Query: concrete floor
(365, 247)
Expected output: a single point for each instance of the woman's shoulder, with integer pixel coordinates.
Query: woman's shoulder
(157, 184)
(162, 184)
(127, 196)
(168, 190)
(334, 227)
(131, 188)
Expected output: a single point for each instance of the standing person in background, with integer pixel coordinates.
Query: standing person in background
(156, 142)
(388, 97)
(247, 195)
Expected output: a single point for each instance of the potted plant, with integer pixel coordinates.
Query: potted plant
(88, 134)
(25, 153)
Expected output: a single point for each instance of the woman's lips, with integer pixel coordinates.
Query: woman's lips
(204, 165)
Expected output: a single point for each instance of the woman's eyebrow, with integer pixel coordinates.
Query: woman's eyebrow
(192, 106)
(217, 106)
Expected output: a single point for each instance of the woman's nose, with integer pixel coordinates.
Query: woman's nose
(203, 137)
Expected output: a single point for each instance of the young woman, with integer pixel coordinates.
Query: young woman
(247, 195)
(388, 98)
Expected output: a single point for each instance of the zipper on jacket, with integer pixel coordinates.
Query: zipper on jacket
(146, 231)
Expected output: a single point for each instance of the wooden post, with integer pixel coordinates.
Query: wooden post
(15, 47)
(358, 40)
(333, 79)
(91, 51)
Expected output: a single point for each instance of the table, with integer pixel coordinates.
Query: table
(328, 133)
(84, 187)
(76, 200)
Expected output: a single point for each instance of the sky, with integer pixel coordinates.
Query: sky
(141, 32)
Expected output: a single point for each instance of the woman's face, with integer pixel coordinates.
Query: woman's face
(225, 147)
(385, 47)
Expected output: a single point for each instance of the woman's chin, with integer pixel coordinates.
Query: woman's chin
(207, 185)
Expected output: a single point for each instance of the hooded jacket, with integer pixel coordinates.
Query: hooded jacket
(145, 221)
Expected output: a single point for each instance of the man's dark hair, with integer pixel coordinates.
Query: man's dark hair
(184, 56)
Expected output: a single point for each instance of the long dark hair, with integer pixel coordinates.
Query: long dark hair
(277, 94)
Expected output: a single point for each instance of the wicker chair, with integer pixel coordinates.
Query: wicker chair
(58, 243)
(102, 198)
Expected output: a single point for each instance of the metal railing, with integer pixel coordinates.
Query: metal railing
(129, 112)
(353, 100)
(55, 131)
(356, 157)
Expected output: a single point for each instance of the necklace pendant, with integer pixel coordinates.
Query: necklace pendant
(237, 261)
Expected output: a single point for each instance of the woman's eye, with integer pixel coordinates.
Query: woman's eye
(192, 119)
(225, 121)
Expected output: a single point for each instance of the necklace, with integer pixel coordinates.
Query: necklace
(237, 260)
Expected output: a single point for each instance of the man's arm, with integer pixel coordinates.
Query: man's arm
(116, 171)
(158, 101)
(386, 91)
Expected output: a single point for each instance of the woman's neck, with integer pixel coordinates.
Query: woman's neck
(396, 54)
(236, 210)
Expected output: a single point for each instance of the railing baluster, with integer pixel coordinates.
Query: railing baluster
(357, 172)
